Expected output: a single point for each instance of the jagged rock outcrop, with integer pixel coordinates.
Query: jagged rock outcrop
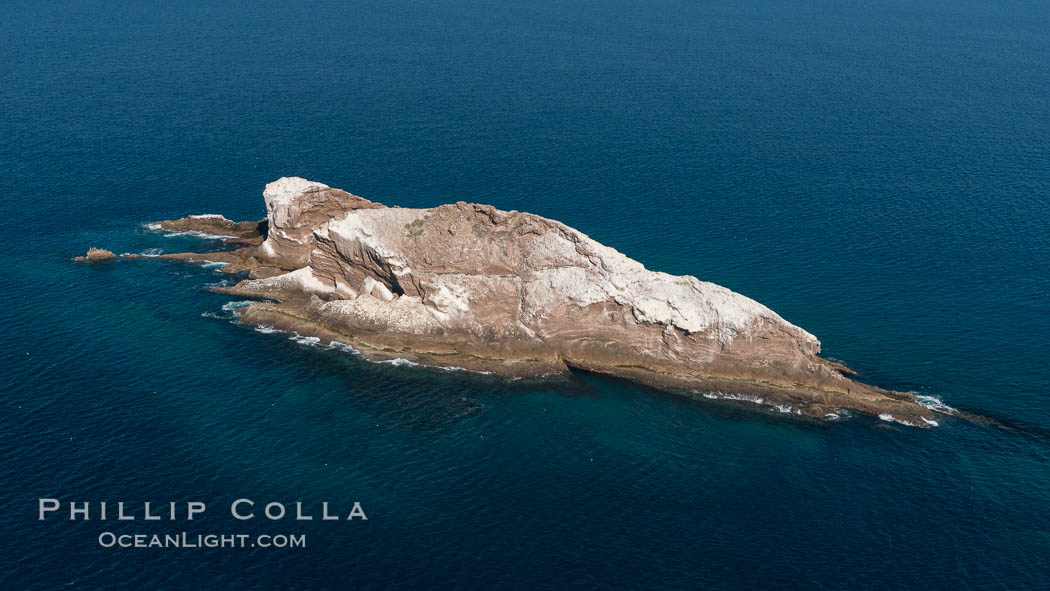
(212, 224)
(296, 207)
(517, 294)
(95, 255)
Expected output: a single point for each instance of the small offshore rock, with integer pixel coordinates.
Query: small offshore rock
(95, 255)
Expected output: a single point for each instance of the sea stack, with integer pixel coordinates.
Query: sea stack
(516, 294)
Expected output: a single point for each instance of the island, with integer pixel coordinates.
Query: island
(470, 286)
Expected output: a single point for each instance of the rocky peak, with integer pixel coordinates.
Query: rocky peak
(294, 208)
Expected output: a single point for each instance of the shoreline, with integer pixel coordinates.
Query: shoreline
(271, 316)
(903, 408)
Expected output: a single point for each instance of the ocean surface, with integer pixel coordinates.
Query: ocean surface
(876, 172)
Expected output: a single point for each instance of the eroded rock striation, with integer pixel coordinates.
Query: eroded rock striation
(516, 294)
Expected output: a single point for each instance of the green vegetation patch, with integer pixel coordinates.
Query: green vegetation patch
(415, 228)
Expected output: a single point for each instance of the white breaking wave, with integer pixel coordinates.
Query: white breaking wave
(152, 252)
(309, 341)
(892, 419)
(213, 264)
(456, 368)
(935, 404)
(344, 347)
(542, 376)
(784, 408)
(231, 306)
(399, 362)
(228, 312)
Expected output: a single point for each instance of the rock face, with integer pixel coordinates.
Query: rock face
(514, 293)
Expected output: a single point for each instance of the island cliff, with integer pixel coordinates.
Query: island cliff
(516, 294)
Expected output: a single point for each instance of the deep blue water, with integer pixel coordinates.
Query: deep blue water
(876, 172)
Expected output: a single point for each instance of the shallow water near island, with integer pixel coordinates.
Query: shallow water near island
(876, 176)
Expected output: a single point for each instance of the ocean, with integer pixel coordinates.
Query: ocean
(877, 173)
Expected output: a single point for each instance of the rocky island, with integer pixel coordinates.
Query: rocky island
(512, 293)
